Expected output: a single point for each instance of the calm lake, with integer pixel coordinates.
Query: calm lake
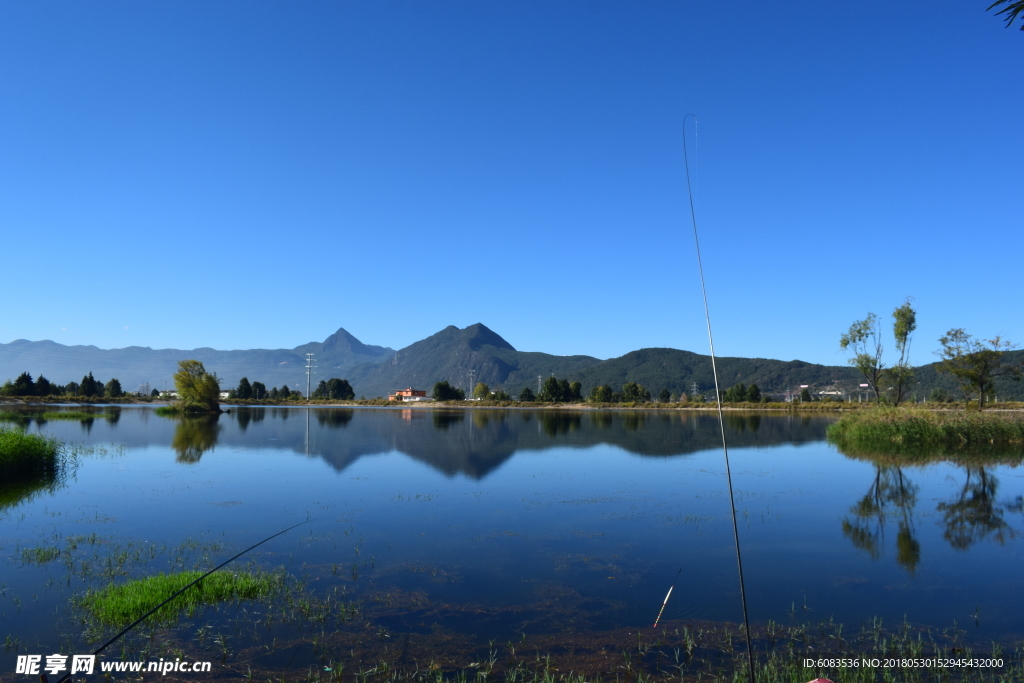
(439, 536)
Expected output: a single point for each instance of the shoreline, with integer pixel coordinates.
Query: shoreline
(813, 407)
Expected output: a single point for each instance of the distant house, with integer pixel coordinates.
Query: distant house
(408, 394)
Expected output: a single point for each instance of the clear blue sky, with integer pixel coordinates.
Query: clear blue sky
(257, 174)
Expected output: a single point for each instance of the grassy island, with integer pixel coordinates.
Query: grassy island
(911, 430)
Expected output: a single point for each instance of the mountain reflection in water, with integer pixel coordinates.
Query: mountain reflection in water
(476, 442)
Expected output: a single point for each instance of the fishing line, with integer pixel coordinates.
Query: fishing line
(718, 397)
(658, 618)
(140, 619)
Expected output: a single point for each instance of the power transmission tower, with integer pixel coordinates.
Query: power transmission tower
(538, 384)
(309, 372)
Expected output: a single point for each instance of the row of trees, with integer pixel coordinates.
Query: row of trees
(974, 363)
(258, 390)
(24, 385)
(741, 393)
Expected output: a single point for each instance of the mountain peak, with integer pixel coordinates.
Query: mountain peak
(480, 335)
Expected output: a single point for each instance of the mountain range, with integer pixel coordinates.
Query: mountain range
(462, 357)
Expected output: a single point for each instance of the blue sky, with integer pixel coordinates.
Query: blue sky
(257, 174)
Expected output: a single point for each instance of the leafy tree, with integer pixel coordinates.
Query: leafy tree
(664, 396)
(501, 395)
(575, 389)
(274, 393)
(321, 390)
(805, 396)
(259, 390)
(904, 324)
(71, 389)
(635, 393)
(285, 393)
(88, 386)
(754, 393)
(864, 338)
(45, 388)
(244, 389)
(1012, 9)
(481, 391)
(113, 389)
(445, 392)
(198, 390)
(551, 392)
(340, 389)
(976, 363)
(735, 394)
(24, 385)
(526, 396)
(601, 394)
(155, 393)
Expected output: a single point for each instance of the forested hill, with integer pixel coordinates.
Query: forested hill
(461, 357)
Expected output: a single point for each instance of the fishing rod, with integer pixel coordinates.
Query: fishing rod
(718, 397)
(138, 621)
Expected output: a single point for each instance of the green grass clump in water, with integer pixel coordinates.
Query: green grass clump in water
(909, 430)
(71, 415)
(124, 603)
(24, 456)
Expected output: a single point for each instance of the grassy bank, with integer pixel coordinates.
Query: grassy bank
(909, 430)
(121, 604)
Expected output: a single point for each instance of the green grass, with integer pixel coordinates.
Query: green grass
(124, 603)
(29, 464)
(910, 431)
(71, 415)
(24, 455)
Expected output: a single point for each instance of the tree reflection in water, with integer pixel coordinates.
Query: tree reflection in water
(194, 436)
(891, 495)
(973, 516)
(976, 515)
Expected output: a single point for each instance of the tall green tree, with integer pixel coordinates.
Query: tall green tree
(259, 390)
(244, 389)
(976, 363)
(526, 395)
(903, 326)
(446, 392)
(551, 392)
(198, 390)
(864, 339)
(340, 389)
(754, 393)
(601, 394)
(664, 396)
(24, 385)
(735, 394)
(88, 386)
(113, 389)
(805, 396)
(575, 392)
(481, 391)
(44, 387)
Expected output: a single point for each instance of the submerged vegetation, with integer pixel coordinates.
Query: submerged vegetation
(121, 604)
(892, 430)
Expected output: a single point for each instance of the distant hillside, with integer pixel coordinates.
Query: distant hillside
(460, 356)
(137, 364)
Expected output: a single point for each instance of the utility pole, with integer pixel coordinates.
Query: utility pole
(309, 372)
(538, 384)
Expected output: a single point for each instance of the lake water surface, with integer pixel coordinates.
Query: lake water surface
(456, 530)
